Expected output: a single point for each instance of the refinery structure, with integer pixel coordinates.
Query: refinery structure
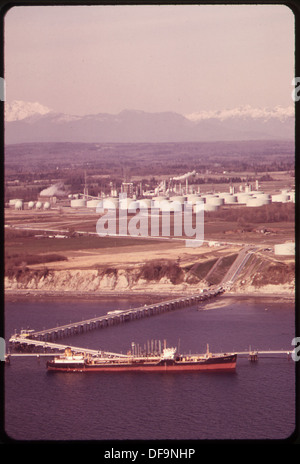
(179, 190)
(170, 195)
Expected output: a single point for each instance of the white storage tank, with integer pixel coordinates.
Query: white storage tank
(39, 205)
(285, 249)
(14, 201)
(19, 204)
(171, 205)
(291, 194)
(30, 204)
(193, 198)
(199, 206)
(179, 198)
(262, 196)
(231, 199)
(47, 205)
(242, 198)
(145, 203)
(110, 203)
(129, 204)
(78, 203)
(210, 207)
(257, 201)
(157, 200)
(94, 203)
(280, 198)
(217, 201)
(133, 206)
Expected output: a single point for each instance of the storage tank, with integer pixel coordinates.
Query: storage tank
(157, 200)
(39, 205)
(242, 198)
(47, 205)
(128, 203)
(285, 249)
(199, 206)
(262, 196)
(133, 205)
(110, 203)
(78, 203)
(217, 201)
(19, 204)
(291, 194)
(94, 203)
(230, 199)
(30, 204)
(280, 198)
(193, 198)
(210, 207)
(170, 205)
(208, 196)
(179, 198)
(253, 202)
(14, 201)
(145, 203)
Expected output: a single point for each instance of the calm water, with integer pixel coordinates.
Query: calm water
(255, 402)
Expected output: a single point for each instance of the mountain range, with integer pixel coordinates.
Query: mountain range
(27, 122)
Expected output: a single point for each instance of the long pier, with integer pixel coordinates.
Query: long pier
(31, 338)
(113, 318)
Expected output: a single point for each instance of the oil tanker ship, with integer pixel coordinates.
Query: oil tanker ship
(167, 360)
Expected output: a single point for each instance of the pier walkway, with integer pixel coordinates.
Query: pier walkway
(38, 338)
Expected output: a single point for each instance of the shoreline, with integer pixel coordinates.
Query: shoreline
(17, 295)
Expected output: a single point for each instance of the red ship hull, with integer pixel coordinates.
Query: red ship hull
(222, 363)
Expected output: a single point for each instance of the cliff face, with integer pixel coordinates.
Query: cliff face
(96, 281)
(257, 278)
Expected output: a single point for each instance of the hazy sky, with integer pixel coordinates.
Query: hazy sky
(182, 58)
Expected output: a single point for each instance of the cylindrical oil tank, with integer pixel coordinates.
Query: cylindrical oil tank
(78, 203)
(96, 202)
(30, 204)
(193, 199)
(19, 204)
(262, 196)
(210, 207)
(129, 204)
(133, 205)
(14, 201)
(110, 203)
(207, 196)
(170, 205)
(242, 198)
(253, 202)
(285, 249)
(280, 198)
(180, 198)
(47, 205)
(39, 205)
(217, 201)
(230, 199)
(145, 203)
(156, 201)
(199, 206)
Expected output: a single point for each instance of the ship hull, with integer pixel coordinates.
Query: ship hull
(227, 364)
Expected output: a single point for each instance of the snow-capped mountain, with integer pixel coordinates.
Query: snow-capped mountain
(247, 111)
(18, 109)
(33, 122)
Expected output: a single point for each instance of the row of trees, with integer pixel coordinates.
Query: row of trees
(274, 212)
